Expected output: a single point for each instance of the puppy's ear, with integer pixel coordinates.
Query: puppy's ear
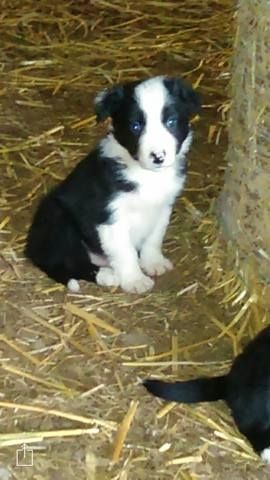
(193, 100)
(190, 99)
(107, 102)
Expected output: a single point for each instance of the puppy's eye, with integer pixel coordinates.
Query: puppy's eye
(171, 122)
(136, 126)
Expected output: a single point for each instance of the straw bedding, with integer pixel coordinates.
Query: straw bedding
(71, 364)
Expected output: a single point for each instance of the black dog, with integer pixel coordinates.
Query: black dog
(246, 390)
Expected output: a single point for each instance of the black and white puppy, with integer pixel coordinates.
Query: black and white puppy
(245, 389)
(106, 221)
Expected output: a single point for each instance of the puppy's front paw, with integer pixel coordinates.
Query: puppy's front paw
(107, 277)
(265, 455)
(155, 264)
(139, 284)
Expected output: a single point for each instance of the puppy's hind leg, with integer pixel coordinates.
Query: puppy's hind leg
(265, 455)
(79, 267)
(260, 440)
(98, 260)
(75, 265)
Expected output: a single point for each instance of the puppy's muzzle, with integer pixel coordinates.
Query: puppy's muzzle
(158, 158)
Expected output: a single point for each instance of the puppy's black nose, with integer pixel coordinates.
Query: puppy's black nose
(157, 159)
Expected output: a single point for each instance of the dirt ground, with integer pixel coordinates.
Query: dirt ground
(68, 382)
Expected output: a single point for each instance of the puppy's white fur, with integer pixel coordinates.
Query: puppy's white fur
(140, 220)
(107, 277)
(152, 96)
(73, 285)
(265, 455)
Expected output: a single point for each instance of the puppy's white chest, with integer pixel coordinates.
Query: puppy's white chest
(141, 219)
(141, 209)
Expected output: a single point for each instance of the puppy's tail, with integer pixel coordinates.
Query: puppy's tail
(191, 391)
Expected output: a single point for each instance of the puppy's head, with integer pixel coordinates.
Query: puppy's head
(150, 118)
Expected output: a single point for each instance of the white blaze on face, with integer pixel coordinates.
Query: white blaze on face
(152, 96)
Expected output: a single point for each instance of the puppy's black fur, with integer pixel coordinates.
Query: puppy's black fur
(245, 389)
(64, 225)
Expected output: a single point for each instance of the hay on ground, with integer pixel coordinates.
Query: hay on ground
(71, 365)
